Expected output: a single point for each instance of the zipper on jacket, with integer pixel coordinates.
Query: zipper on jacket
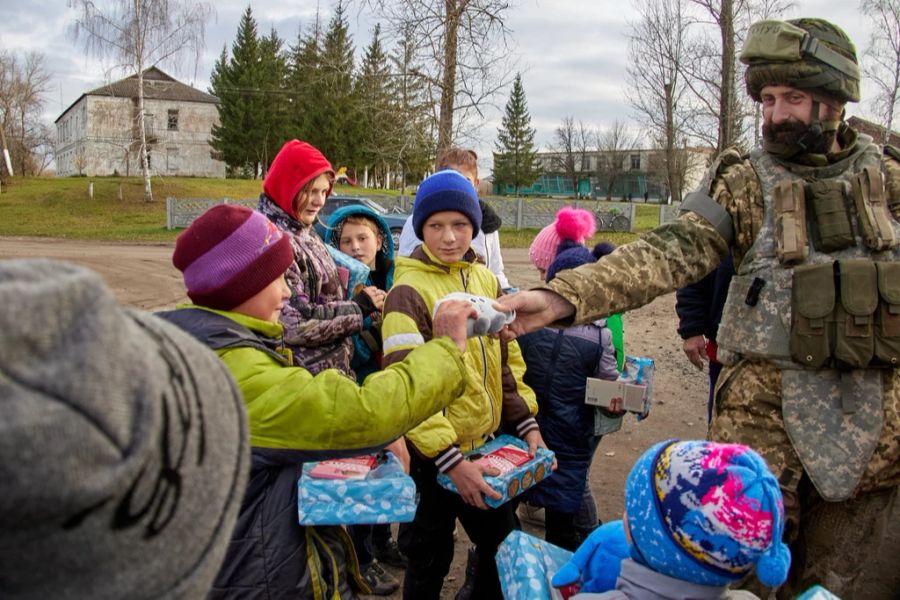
(495, 421)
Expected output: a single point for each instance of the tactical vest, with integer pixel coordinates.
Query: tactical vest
(818, 295)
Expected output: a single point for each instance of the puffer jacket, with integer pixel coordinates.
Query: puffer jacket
(367, 343)
(318, 321)
(558, 363)
(297, 417)
(494, 394)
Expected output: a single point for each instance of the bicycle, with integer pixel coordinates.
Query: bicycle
(611, 220)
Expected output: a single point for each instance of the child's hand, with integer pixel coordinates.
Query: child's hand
(377, 296)
(398, 447)
(468, 477)
(536, 440)
(451, 320)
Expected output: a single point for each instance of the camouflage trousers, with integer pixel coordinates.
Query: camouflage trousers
(748, 411)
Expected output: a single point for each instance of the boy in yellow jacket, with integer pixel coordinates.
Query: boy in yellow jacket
(446, 215)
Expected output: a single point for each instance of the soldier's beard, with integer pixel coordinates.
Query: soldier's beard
(795, 137)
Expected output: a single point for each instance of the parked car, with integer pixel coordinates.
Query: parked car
(394, 218)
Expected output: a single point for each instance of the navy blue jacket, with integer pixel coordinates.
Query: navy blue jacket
(558, 362)
(699, 305)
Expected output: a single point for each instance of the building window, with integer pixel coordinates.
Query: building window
(635, 162)
(171, 159)
(173, 119)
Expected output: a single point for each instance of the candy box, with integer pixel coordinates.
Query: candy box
(519, 471)
(632, 391)
(384, 494)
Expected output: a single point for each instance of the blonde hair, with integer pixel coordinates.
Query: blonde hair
(302, 196)
(363, 220)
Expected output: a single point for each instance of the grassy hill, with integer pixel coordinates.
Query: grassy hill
(60, 207)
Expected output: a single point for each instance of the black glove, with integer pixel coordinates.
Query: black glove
(365, 303)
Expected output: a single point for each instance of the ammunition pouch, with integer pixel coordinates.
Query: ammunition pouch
(790, 222)
(846, 314)
(872, 210)
(831, 229)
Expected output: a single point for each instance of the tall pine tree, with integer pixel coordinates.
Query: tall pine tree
(515, 155)
(303, 83)
(236, 82)
(415, 130)
(335, 132)
(375, 117)
(273, 120)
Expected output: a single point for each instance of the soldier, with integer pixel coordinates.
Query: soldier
(810, 334)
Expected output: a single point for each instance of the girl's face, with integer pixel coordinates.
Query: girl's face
(311, 199)
(360, 242)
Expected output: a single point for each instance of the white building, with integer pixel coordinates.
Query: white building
(98, 134)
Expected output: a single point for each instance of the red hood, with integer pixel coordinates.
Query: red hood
(295, 165)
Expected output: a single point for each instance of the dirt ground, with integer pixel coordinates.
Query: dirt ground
(143, 276)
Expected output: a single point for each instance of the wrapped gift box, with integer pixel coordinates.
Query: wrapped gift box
(515, 481)
(385, 495)
(632, 391)
(526, 565)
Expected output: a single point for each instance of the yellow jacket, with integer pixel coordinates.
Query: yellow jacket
(494, 392)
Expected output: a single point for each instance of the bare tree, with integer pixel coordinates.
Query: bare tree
(138, 34)
(881, 62)
(565, 157)
(657, 91)
(614, 145)
(23, 83)
(462, 48)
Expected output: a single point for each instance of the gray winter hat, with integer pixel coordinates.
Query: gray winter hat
(123, 444)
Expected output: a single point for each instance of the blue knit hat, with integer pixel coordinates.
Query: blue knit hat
(570, 255)
(706, 513)
(446, 190)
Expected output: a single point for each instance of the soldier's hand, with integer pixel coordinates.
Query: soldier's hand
(534, 309)
(450, 320)
(468, 477)
(695, 349)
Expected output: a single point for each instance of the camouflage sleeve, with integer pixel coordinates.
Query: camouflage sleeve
(669, 257)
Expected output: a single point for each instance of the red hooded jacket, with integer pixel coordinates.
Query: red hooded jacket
(295, 165)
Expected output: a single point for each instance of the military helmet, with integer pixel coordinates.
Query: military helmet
(808, 54)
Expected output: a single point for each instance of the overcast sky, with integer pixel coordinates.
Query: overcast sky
(572, 52)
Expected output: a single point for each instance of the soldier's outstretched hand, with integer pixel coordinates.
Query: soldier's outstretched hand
(534, 309)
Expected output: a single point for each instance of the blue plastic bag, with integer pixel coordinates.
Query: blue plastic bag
(386, 495)
(526, 565)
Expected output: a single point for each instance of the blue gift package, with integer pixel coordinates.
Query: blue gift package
(526, 565)
(385, 495)
(514, 482)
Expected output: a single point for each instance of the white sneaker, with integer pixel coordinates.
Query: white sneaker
(531, 514)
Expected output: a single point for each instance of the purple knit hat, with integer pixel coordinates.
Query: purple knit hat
(229, 254)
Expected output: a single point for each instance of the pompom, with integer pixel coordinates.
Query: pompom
(772, 567)
(576, 224)
(603, 248)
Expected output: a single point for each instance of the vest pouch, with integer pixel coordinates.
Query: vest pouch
(872, 210)
(830, 224)
(790, 222)
(812, 305)
(854, 336)
(887, 317)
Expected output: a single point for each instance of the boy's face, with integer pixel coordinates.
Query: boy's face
(469, 173)
(360, 242)
(448, 235)
(267, 303)
(310, 202)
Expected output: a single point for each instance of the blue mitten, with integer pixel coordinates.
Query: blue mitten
(597, 561)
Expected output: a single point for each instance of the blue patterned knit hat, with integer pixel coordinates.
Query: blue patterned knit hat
(446, 190)
(706, 513)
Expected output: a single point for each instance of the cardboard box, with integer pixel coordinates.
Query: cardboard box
(616, 395)
(515, 481)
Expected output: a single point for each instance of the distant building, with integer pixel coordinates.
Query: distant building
(875, 130)
(637, 179)
(99, 133)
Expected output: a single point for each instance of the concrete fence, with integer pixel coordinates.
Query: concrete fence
(517, 213)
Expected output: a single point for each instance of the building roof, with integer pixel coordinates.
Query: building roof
(158, 85)
(873, 129)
